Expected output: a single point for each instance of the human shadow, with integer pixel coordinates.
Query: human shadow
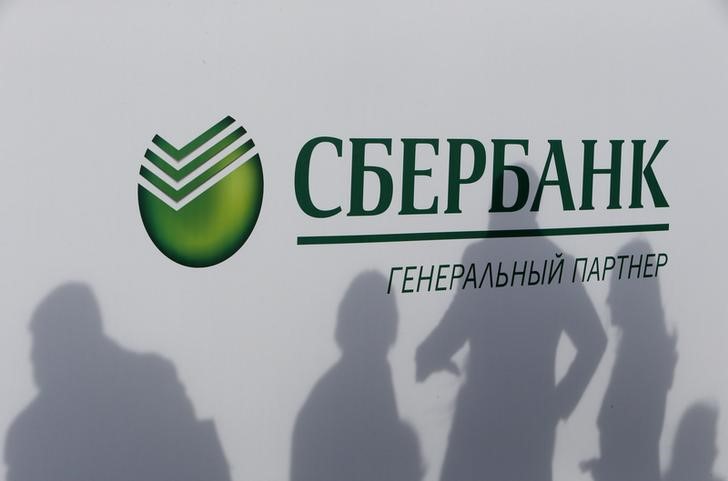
(695, 450)
(509, 404)
(349, 427)
(633, 410)
(103, 412)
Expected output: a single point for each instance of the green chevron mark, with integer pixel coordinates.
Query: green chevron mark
(199, 224)
(179, 174)
(195, 144)
(179, 194)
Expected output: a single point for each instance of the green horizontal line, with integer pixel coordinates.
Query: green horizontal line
(478, 234)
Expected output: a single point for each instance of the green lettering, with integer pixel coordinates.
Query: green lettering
(410, 171)
(454, 180)
(358, 169)
(556, 153)
(302, 175)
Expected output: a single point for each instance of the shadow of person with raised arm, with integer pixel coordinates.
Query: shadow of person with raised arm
(695, 450)
(633, 410)
(349, 427)
(509, 404)
(103, 412)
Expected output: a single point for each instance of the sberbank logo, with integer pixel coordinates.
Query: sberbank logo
(200, 202)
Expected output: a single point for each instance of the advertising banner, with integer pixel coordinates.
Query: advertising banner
(375, 241)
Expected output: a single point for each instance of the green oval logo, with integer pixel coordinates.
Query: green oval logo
(199, 203)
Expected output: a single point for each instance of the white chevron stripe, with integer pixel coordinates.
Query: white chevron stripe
(200, 190)
(179, 164)
(196, 173)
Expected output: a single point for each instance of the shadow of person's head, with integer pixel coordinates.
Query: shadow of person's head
(695, 451)
(103, 412)
(367, 321)
(635, 302)
(65, 327)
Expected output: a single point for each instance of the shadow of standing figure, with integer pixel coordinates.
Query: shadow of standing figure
(633, 410)
(509, 405)
(695, 450)
(102, 412)
(349, 428)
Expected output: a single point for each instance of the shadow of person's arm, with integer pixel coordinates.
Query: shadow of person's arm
(172, 428)
(582, 325)
(435, 352)
(23, 457)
